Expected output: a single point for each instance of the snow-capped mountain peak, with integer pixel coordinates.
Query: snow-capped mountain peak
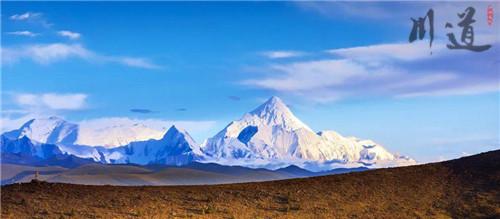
(46, 130)
(272, 134)
(268, 131)
(176, 147)
(275, 112)
(177, 137)
(273, 105)
(107, 133)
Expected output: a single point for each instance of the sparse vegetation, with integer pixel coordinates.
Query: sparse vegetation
(464, 188)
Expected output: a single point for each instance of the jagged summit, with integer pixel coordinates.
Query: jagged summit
(177, 130)
(274, 112)
(272, 105)
(171, 131)
(174, 133)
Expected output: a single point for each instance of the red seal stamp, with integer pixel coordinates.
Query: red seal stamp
(489, 14)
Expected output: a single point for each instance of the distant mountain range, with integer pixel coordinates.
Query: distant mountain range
(269, 137)
(194, 173)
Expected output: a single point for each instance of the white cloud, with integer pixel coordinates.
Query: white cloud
(54, 52)
(25, 16)
(324, 80)
(52, 101)
(27, 99)
(23, 33)
(301, 76)
(426, 79)
(468, 89)
(394, 70)
(137, 62)
(69, 34)
(282, 54)
(398, 51)
(64, 101)
(50, 53)
(32, 18)
(44, 53)
(29, 106)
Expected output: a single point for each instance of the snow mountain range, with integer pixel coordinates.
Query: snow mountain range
(269, 137)
(54, 130)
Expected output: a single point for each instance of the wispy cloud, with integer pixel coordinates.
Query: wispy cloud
(23, 33)
(136, 62)
(27, 106)
(398, 51)
(25, 16)
(31, 17)
(307, 75)
(69, 34)
(52, 101)
(392, 70)
(470, 89)
(280, 54)
(54, 52)
(45, 53)
(50, 53)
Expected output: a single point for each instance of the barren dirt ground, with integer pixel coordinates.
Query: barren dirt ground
(463, 188)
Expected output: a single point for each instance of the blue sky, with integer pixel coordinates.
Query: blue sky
(341, 66)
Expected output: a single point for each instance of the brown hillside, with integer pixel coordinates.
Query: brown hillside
(463, 188)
